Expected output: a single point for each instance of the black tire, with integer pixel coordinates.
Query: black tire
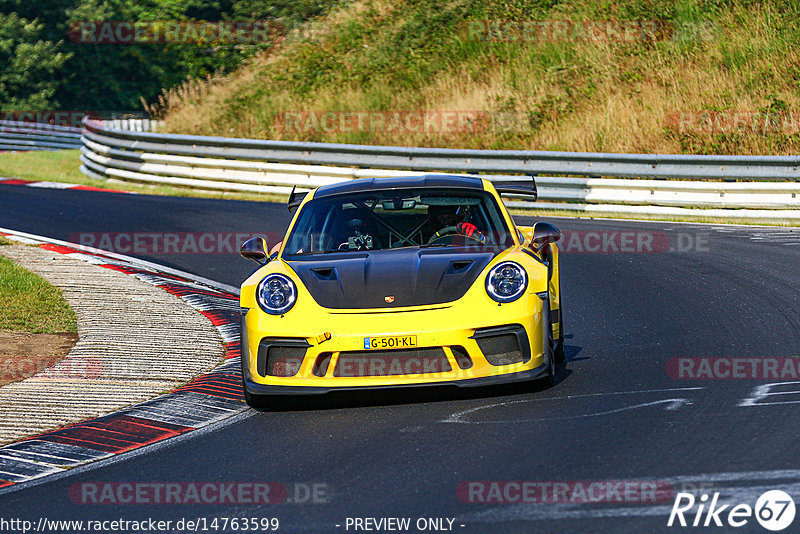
(549, 379)
(558, 351)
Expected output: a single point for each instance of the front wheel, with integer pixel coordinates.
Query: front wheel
(558, 351)
(549, 379)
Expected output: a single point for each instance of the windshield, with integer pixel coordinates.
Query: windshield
(379, 220)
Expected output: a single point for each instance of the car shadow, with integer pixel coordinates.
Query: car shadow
(571, 353)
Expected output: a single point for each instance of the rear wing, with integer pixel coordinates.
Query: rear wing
(295, 199)
(517, 186)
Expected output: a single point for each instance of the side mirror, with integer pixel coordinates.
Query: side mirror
(255, 249)
(273, 252)
(543, 234)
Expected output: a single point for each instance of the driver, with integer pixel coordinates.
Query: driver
(450, 220)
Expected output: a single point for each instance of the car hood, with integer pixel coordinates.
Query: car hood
(390, 278)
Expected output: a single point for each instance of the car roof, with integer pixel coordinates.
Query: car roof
(400, 182)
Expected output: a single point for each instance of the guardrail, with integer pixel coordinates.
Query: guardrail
(135, 125)
(16, 135)
(671, 182)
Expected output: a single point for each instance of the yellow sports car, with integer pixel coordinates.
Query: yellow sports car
(408, 281)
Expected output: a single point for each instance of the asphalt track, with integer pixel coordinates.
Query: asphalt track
(615, 414)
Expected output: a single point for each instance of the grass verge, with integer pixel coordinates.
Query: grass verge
(629, 76)
(31, 304)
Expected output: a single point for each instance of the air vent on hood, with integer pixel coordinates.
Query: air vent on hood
(325, 273)
(460, 265)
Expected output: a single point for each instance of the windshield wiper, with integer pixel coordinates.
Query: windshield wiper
(315, 252)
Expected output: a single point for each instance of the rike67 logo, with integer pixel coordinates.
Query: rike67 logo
(774, 510)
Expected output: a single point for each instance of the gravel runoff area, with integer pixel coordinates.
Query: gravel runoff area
(135, 341)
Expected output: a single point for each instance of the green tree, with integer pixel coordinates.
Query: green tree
(28, 79)
(115, 77)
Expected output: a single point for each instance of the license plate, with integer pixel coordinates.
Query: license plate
(390, 342)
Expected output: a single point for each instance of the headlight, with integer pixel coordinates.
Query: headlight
(506, 282)
(276, 294)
